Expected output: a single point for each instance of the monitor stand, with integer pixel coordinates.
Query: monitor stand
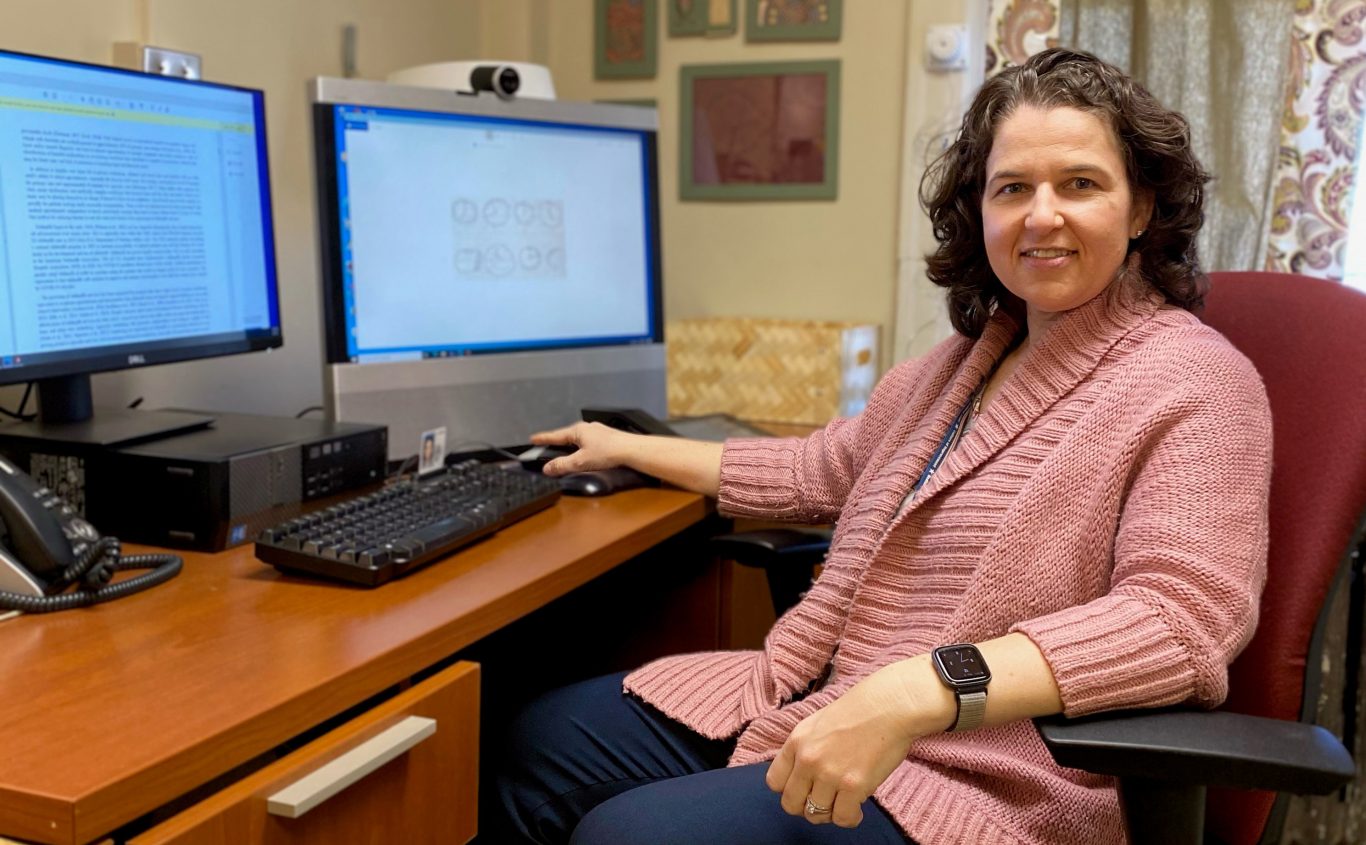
(66, 414)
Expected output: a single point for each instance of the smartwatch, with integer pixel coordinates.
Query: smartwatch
(962, 669)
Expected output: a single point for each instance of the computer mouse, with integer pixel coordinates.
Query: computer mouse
(602, 482)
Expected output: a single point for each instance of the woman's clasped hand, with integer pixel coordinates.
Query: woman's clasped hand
(836, 757)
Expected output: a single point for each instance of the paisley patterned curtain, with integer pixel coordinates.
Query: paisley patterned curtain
(1017, 29)
(1211, 60)
(1325, 97)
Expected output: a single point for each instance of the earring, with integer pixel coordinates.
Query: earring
(1139, 234)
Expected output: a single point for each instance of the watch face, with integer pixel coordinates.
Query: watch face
(962, 664)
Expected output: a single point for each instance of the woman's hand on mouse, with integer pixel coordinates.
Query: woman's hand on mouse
(691, 464)
(599, 447)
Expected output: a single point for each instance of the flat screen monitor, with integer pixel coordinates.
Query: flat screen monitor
(135, 225)
(489, 266)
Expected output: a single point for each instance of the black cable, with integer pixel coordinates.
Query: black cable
(96, 567)
(403, 467)
(19, 414)
(485, 444)
(310, 409)
(452, 450)
(86, 564)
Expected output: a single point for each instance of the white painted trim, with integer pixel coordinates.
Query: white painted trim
(920, 320)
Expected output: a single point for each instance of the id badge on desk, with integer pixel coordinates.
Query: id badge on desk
(431, 453)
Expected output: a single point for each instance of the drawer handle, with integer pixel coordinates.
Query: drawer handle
(316, 787)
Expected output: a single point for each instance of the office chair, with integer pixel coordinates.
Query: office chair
(1303, 336)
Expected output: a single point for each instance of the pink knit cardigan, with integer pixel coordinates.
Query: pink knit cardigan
(1110, 503)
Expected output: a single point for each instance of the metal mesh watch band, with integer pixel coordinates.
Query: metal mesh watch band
(972, 708)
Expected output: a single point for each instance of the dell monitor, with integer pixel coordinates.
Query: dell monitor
(489, 266)
(135, 229)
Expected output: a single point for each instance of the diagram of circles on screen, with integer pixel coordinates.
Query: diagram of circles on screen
(502, 237)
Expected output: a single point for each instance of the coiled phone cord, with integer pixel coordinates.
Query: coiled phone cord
(93, 570)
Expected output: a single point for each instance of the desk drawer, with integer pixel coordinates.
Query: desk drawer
(406, 771)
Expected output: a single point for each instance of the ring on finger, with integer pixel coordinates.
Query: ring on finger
(814, 809)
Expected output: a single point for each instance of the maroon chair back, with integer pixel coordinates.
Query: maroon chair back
(1307, 338)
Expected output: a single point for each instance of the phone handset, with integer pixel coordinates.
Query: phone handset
(634, 420)
(46, 547)
(40, 529)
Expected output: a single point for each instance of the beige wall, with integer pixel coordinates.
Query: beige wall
(70, 29)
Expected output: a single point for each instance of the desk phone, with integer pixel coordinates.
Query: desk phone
(46, 547)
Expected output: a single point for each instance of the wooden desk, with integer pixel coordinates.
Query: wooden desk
(110, 712)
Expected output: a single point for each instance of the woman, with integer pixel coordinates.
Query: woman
(1071, 491)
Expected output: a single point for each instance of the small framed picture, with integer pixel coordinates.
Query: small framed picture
(638, 102)
(714, 18)
(626, 33)
(793, 20)
(431, 453)
(763, 131)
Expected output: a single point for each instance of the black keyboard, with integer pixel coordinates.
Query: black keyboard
(378, 536)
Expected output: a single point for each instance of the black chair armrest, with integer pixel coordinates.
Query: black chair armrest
(791, 546)
(788, 557)
(1205, 748)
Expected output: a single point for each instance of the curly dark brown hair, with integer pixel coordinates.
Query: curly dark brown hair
(1156, 147)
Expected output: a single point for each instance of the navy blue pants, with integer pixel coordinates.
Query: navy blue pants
(589, 765)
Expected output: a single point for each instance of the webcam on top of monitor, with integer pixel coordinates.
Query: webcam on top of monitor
(505, 79)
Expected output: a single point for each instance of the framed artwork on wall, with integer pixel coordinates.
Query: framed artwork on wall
(702, 17)
(625, 34)
(793, 20)
(639, 102)
(762, 131)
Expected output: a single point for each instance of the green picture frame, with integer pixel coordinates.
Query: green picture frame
(770, 20)
(695, 17)
(638, 102)
(736, 151)
(625, 39)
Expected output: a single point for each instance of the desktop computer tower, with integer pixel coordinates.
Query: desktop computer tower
(207, 489)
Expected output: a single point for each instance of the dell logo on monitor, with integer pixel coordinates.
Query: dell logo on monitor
(134, 360)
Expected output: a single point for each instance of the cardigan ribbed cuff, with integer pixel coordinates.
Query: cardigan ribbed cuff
(1088, 646)
(758, 479)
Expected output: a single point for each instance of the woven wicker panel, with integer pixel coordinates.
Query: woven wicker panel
(765, 370)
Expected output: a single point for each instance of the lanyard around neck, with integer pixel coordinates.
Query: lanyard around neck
(960, 422)
(950, 438)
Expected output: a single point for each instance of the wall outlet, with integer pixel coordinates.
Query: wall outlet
(161, 60)
(946, 47)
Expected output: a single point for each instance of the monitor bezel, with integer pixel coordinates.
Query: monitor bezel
(327, 93)
(105, 359)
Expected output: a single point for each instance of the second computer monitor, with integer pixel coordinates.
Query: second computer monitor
(489, 266)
